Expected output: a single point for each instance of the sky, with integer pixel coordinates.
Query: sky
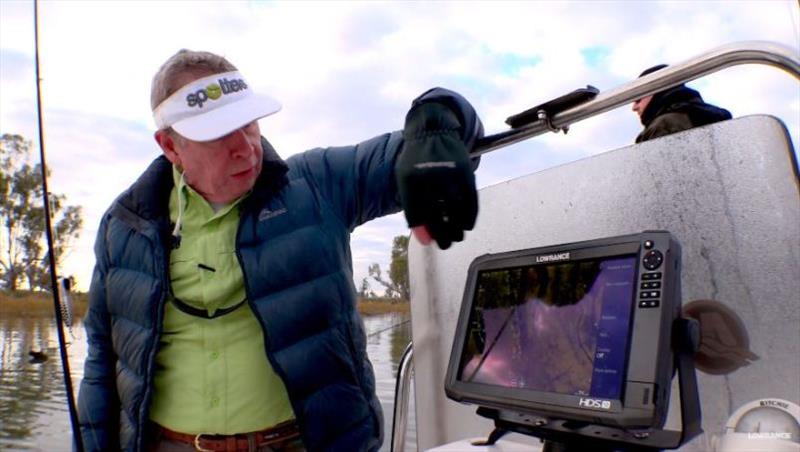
(348, 71)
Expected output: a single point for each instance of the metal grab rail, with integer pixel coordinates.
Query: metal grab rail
(748, 52)
(401, 393)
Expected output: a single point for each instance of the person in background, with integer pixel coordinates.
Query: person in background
(222, 306)
(674, 110)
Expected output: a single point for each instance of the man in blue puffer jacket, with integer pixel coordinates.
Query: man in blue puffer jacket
(222, 307)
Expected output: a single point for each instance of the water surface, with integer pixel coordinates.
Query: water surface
(33, 403)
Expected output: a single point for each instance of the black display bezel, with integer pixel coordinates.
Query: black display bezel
(651, 356)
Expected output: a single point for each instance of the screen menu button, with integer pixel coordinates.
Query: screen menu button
(651, 275)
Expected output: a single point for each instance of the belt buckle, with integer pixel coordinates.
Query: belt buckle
(197, 445)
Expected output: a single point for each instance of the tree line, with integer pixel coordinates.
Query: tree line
(396, 283)
(24, 262)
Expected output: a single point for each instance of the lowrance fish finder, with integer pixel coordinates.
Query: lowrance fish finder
(579, 332)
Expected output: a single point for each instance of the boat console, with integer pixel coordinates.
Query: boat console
(548, 317)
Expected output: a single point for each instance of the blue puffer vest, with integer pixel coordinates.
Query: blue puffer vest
(293, 248)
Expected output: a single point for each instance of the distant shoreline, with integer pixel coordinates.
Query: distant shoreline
(40, 304)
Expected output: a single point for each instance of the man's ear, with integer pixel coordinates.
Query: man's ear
(166, 141)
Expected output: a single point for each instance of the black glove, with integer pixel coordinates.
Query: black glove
(434, 174)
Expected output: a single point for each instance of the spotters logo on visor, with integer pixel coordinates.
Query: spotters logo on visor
(212, 107)
(214, 91)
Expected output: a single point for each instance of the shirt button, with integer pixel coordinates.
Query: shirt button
(214, 355)
(215, 401)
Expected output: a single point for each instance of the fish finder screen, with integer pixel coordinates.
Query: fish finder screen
(556, 327)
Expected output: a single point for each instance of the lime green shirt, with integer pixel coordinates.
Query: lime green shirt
(212, 375)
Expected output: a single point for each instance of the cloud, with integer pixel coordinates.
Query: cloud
(18, 105)
(17, 66)
(347, 71)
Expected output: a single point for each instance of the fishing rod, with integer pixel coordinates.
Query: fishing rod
(73, 411)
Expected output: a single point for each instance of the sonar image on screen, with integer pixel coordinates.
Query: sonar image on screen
(560, 328)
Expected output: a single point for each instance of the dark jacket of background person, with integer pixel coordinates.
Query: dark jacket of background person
(293, 247)
(677, 109)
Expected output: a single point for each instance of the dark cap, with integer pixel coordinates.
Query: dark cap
(652, 69)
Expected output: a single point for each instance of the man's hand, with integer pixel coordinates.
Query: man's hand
(434, 176)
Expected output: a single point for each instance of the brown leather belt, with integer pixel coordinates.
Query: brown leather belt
(273, 436)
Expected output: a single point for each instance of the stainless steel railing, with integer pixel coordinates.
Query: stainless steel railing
(748, 52)
(402, 389)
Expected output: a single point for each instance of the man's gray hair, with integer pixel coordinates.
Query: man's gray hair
(202, 63)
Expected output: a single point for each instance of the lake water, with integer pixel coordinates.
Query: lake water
(33, 403)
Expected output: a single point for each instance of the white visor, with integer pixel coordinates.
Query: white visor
(212, 107)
